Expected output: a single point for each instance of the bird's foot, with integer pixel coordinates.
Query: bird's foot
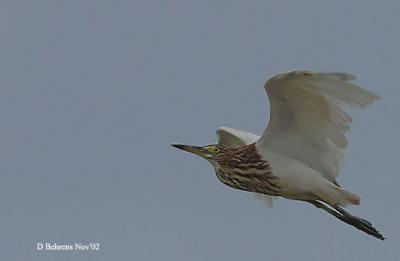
(362, 224)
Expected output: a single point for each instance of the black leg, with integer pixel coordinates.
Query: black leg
(362, 222)
(346, 217)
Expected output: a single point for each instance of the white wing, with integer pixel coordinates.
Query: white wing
(235, 138)
(307, 120)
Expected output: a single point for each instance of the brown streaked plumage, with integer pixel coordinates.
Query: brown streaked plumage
(242, 168)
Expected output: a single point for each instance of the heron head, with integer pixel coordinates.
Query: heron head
(209, 152)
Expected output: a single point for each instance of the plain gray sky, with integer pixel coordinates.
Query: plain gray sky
(93, 92)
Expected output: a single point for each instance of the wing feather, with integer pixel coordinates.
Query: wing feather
(308, 120)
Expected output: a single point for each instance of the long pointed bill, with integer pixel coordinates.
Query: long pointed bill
(192, 149)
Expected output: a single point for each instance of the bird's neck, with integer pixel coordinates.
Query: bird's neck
(245, 169)
(241, 157)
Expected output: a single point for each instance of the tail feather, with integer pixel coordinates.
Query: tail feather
(334, 195)
(350, 197)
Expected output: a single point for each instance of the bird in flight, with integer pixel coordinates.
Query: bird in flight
(300, 153)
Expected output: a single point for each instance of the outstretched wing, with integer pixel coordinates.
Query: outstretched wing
(235, 138)
(307, 117)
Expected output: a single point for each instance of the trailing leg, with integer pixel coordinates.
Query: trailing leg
(346, 217)
(360, 222)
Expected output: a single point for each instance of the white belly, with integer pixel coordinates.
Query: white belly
(297, 180)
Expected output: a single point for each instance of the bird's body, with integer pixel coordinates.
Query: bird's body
(251, 169)
(299, 154)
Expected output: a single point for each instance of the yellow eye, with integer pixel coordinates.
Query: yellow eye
(212, 149)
